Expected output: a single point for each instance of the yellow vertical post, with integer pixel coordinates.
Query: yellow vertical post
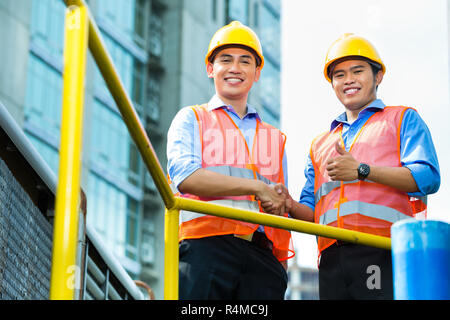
(172, 217)
(65, 230)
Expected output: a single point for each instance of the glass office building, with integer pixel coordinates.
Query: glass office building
(114, 177)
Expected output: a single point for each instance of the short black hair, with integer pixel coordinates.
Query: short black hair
(375, 66)
(253, 52)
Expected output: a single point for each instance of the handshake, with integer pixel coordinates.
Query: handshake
(275, 199)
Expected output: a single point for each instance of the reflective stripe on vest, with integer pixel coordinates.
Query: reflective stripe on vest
(238, 172)
(327, 187)
(367, 209)
(238, 204)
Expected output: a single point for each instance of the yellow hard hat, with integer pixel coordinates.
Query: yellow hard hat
(351, 45)
(238, 34)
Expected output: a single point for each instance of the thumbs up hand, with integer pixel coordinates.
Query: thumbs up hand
(340, 149)
(344, 167)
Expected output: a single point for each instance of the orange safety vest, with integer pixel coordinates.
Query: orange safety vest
(225, 151)
(363, 206)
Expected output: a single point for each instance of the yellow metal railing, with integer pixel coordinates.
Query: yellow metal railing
(68, 190)
(78, 20)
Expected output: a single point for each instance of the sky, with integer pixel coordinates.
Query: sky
(412, 38)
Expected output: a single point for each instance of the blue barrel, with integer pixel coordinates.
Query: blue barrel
(421, 260)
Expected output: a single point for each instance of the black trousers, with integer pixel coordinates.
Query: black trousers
(226, 267)
(349, 271)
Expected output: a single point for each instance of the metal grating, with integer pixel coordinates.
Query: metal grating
(25, 243)
(27, 191)
(25, 251)
(100, 281)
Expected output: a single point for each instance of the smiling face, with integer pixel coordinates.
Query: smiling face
(234, 71)
(355, 84)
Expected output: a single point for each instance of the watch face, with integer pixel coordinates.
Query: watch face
(363, 170)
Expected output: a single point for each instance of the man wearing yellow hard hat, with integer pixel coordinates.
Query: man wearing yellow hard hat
(223, 153)
(374, 166)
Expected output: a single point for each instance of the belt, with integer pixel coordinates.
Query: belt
(257, 238)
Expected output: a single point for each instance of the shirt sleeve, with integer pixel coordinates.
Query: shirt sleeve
(307, 195)
(183, 146)
(285, 169)
(418, 154)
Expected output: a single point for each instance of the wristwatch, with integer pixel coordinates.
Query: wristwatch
(363, 171)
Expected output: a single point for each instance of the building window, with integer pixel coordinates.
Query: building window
(131, 72)
(155, 34)
(115, 216)
(116, 211)
(214, 10)
(270, 33)
(256, 14)
(123, 61)
(270, 87)
(274, 5)
(138, 94)
(48, 153)
(140, 23)
(294, 278)
(47, 25)
(269, 116)
(135, 165)
(43, 97)
(153, 89)
(119, 14)
(111, 147)
(43, 94)
(132, 223)
(237, 10)
(148, 241)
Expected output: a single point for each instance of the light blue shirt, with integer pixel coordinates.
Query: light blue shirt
(184, 151)
(417, 151)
